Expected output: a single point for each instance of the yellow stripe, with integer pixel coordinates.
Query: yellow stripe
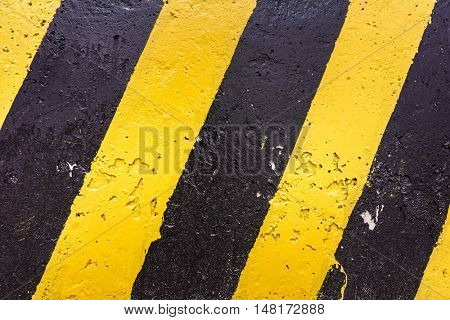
(330, 163)
(435, 283)
(124, 196)
(23, 24)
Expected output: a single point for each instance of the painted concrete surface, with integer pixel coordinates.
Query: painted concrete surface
(215, 149)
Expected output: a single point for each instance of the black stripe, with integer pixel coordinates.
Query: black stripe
(219, 205)
(409, 183)
(60, 117)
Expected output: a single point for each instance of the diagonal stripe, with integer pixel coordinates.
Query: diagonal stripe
(435, 284)
(56, 124)
(22, 26)
(126, 192)
(214, 215)
(331, 160)
(399, 216)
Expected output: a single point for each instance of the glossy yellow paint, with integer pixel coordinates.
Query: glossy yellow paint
(119, 210)
(23, 24)
(331, 161)
(435, 284)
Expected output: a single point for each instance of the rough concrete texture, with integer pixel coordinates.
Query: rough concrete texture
(56, 123)
(216, 149)
(405, 199)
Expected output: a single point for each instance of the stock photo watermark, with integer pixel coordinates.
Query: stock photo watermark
(243, 150)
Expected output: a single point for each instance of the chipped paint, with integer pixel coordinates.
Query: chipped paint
(61, 114)
(327, 171)
(119, 210)
(408, 188)
(367, 218)
(212, 221)
(353, 203)
(23, 24)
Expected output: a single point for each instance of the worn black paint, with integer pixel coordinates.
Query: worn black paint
(60, 116)
(334, 282)
(410, 179)
(214, 215)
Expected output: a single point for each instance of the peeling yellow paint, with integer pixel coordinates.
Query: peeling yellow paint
(331, 161)
(435, 284)
(23, 24)
(119, 210)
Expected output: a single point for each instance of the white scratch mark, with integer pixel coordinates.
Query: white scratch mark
(272, 165)
(71, 167)
(280, 149)
(378, 210)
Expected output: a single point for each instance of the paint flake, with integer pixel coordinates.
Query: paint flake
(367, 218)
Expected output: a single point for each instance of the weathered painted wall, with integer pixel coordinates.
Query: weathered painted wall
(215, 149)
